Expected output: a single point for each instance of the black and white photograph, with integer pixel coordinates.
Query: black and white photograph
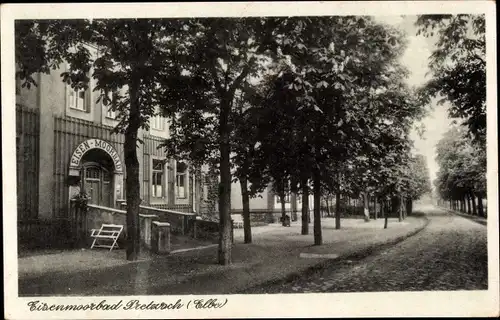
(262, 159)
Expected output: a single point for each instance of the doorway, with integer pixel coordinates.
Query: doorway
(98, 184)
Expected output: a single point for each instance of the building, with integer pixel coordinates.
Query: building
(267, 206)
(65, 145)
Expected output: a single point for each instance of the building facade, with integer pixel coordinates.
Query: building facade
(65, 145)
(266, 206)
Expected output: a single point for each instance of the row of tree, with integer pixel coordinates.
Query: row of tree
(326, 110)
(461, 179)
(314, 104)
(458, 77)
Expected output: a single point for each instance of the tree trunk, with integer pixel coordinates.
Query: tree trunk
(384, 211)
(400, 206)
(480, 207)
(328, 213)
(473, 200)
(305, 207)
(283, 209)
(293, 204)
(132, 183)
(225, 241)
(245, 199)
(396, 207)
(409, 206)
(375, 214)
(309, 214)
(337, 210)
(469, 208)
(318, 240)
(366, 207)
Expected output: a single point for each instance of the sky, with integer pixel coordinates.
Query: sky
(416, 60)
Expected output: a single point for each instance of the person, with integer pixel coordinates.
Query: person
(287, 221)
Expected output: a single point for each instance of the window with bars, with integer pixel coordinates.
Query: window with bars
(180, 181)
(92, 173)
(106, 177)
(157, 178)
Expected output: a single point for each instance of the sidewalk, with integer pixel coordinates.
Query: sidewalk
(276, 252)
(477, 219)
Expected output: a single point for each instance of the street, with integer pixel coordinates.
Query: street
(449, 254)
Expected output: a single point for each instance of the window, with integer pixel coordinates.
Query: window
(287, 198)
(106, 177)
(157, 122)
(92, 174)
(77, 99)
(180, 181)
(111, 114)
(157, 179)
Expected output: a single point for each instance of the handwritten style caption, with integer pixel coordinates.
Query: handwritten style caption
(134, 304)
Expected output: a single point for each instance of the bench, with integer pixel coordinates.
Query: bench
(107, 233)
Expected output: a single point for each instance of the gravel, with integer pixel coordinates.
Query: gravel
(450, 254)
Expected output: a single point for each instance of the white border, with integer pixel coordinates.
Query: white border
(450, 303)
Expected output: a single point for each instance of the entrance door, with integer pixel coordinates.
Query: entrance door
(98, 184)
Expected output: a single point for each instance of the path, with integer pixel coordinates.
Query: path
(450, 254)
(276, 253)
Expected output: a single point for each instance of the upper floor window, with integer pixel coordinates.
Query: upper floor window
(78, 99)
(157, 122)
(110, 113)
(181, 180)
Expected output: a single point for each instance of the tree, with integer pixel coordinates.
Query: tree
(458, 67)
(131, 56)
(248, 156)
(417, 181)
(462, 171)
(215, 57)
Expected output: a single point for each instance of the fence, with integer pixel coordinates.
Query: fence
(185, 208)
(27, 155)
(39, 234)
(179, 221)
(84, 222)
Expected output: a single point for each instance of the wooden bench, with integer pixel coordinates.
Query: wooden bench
(107, 233)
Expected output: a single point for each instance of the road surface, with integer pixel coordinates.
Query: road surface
(449, 254)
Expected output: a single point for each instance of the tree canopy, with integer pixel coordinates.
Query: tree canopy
(458, 67)
(462, 167)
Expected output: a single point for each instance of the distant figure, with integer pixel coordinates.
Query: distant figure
(286, 221)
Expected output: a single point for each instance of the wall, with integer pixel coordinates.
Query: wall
(257, 203)
(28, 97)
(69, 133)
